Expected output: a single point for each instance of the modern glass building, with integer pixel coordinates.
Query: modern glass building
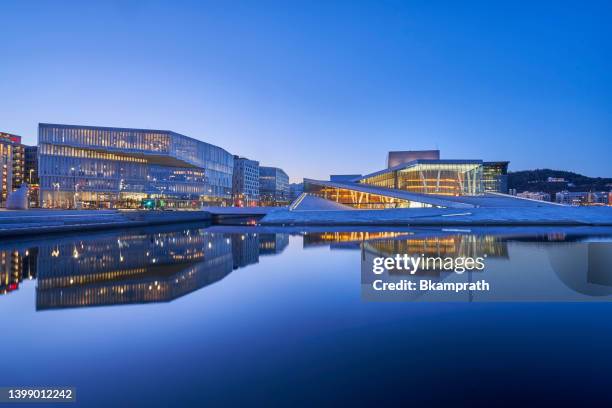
(31, 165)
(363, 196)
(273, 186)
(416, 182)
(101, 167)
(245, 182)
(495, 176)
(441, 177)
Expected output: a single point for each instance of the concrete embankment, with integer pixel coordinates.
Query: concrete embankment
(229, 214)
(32, 222)
(517, 216)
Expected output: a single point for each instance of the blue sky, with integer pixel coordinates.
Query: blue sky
(323, 87)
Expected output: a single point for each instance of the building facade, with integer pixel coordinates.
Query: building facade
(540, 195)
(441, 177)
(273, 186)
(17, 159)
(102, 167)
(245, 182)
(582, 198)
(18, 162)
(495, 177)
(30, 174)
(7, 147)
(416, 179)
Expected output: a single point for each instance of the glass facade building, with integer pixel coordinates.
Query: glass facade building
(100, 167)
(440, 177)
(245, 182)
(495, 176)
(416, 182)
(353, 196)
(273, 186)
(30, 174)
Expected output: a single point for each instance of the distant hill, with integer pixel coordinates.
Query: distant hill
(538, 180)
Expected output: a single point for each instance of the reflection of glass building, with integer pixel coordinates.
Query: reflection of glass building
(348, 237)
(245, 249)
(139, 267)
(98, 167)
(15, 266)
(454, 246)
(390, 243)
(272, 244)
(131, 268)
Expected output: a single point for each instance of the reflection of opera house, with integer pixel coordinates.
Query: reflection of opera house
(426, 243)
(416, 179)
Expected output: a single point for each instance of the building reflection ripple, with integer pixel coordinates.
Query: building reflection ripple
(130, 267)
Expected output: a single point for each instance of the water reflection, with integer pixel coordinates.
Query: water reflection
(522, 263)
(15, 266)
(585, 267)
(384, 243)
(162, 264)
(131, 267)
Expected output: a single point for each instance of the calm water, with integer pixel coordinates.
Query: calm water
(208, 316)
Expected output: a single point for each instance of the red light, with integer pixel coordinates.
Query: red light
(13, 286)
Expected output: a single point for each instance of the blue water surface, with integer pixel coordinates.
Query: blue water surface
(210, 316)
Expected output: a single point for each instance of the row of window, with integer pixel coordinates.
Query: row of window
(158, 142)
(195, 152)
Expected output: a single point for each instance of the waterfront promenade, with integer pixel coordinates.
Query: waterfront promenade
(42, 221)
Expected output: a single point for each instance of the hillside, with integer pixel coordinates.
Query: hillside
(537, 180)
